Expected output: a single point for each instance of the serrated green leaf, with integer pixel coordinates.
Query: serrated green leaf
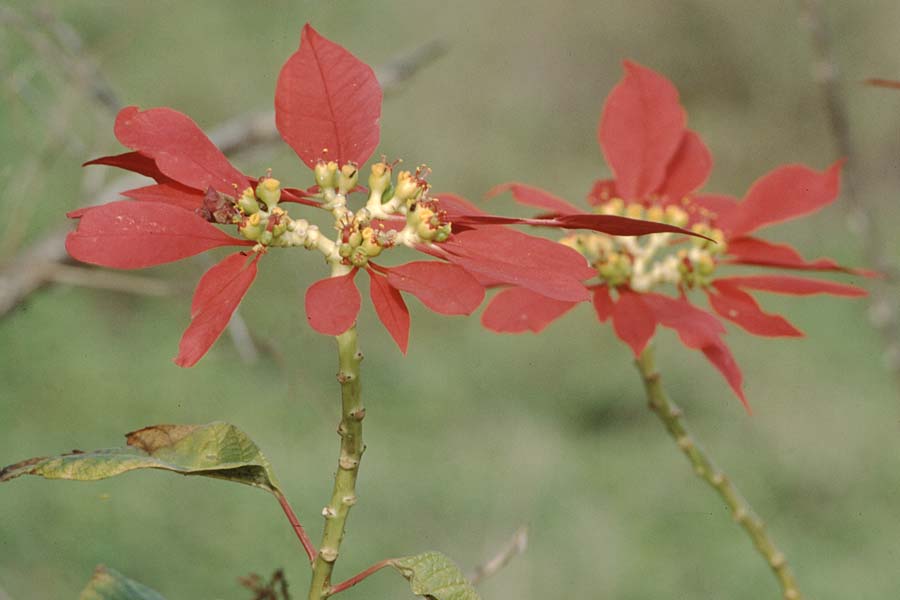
(216, 450)
(108, 584)
(434, 575)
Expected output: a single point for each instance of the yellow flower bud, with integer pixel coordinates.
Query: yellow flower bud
(634, 211)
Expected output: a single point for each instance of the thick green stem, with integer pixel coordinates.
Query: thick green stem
(741, 511)
(352, 447)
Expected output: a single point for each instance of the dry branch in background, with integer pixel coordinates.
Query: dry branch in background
(37, 265)
(884, 312)
(516, 545)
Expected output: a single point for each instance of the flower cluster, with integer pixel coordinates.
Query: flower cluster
(327, 108)
(659, 165)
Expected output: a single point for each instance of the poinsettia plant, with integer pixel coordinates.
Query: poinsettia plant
(659, 168)
(327, 109)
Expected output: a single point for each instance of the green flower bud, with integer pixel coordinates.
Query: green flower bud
(348, 178)
(269, 191)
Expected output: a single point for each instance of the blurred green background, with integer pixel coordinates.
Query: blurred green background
(472, 434)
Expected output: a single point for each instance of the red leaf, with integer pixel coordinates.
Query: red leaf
(172, 193)
(532, 196)
(608, 224)
(786, 193)
(688, 170)
(755, 251)
(603, 303)
(640, 129)
(455, 205)
(633, 321)
(133, 235)
(181, 150)
(708, 207)
(132, 161)
(332, 304)
(216, 298)
(512, 257)
(603, 191)
(327, 103)
(797, 286)
(699, 330)
(444, 288)
(740, 308)
(615, 225)
(391, 309)
(515, 310)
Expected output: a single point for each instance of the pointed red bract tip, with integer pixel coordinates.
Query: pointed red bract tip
(786, 193)
(741, 309)
(217, 296)
(390, 308)
(640, 129)
(327, 103)
(179, 148)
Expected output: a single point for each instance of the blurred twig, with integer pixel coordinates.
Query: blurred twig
(32, 267)
(516, 545)
(883, 306)
(741, 511)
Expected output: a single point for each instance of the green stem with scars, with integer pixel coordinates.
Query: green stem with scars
(344, 495)
(741, 511)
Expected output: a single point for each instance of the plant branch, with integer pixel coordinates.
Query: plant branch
(349, 583)
(298, 528)
(344, 495)
(884, 312)
(516, 545)
(741, 511)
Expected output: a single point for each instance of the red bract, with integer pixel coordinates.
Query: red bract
(313, 111)
(658, 166)
(333, 304)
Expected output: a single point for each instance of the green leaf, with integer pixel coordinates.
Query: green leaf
(107, 584)
(216, 450)
(435, 576)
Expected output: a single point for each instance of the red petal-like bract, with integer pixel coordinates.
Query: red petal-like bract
(332, 304)
(755, 251)
(134, 162)
(515, 310)
(740, 308)
(699, 330)
(216, 298)
(327, 103)
(603, 303)
(532, 196)
(633, 321)
(179, 147)
(795, 286)
(510, 256)
(786, 193)
(688, 169)
(456, 206)
(390, 308)
(640, 129)
(172, 193)
(608, 224)
(444, 288)
(133, 235)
